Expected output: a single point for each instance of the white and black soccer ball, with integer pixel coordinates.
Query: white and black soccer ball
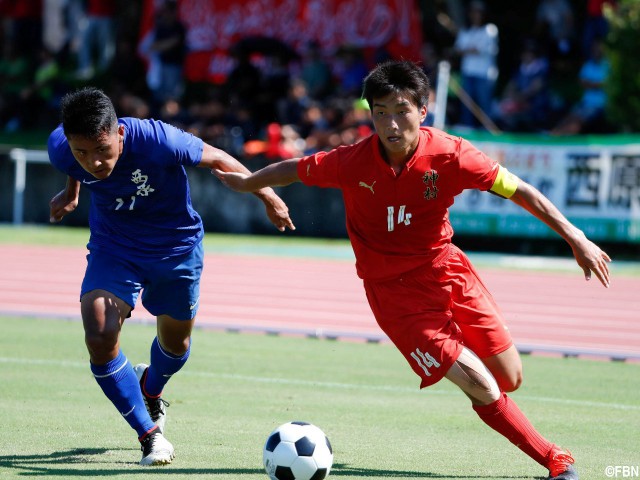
(297, 451)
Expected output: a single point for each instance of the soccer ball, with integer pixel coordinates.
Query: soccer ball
(297, 451)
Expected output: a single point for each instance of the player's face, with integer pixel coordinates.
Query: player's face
(98, 156)
(397, 122)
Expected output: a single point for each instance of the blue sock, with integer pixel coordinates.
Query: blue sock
(120, 384)
(163, 365)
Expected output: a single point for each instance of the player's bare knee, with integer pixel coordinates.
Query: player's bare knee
(176, 347)
(510, 383)
(99, 343)
(506, 367)
(174, 335)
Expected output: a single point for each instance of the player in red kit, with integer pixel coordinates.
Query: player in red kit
(397, 187)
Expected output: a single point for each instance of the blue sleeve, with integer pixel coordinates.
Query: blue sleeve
(59, 153)
(170, 145)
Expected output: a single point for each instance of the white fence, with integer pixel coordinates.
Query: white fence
(21, 157)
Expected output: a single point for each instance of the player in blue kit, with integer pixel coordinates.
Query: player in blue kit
(145, 237)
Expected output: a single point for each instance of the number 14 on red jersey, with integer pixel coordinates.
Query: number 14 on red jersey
(403, 217)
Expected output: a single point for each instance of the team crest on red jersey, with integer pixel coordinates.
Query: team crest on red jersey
(430, 178)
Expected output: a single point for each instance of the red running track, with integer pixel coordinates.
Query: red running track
(558, 313)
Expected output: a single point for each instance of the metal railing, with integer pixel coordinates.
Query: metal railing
(21, 157)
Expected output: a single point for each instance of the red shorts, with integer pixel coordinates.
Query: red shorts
(432, 313)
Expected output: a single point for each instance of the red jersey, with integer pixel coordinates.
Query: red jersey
(21, 10)
(399, 223)
(102, 8)
(595, 8)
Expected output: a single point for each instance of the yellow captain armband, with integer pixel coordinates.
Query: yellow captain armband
(506, 183)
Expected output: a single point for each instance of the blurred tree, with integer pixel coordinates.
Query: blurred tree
(623, 83)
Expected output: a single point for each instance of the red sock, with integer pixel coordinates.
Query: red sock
(505, 417)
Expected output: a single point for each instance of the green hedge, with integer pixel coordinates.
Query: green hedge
(623, 84)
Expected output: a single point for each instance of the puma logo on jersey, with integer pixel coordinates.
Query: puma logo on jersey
(370, 187)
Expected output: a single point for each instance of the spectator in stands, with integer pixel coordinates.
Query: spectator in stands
(282, 141)
(312, 120)
(244, 82)
(242, 126)
(131, 105)
(276, 84)
(316, 72)
(55, 32)
(168, 48)
(129, 72)
(430, 66)
(15, 76)
(97, 38)
(595, 25)
(23, 23)
(209, 116)
(248, 102)
(350, 71)
(477, 46)
(40, 100)
(525, 100)
(555, 27)
(588, 113)
(291, 108)
(172, 111)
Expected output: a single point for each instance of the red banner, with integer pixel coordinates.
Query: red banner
(214, 26)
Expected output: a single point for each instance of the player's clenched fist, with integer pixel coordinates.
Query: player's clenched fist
(61, 205)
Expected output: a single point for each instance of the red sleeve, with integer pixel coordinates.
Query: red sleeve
(477, 170)
(320, 169)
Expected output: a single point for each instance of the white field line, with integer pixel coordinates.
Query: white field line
(331, 385)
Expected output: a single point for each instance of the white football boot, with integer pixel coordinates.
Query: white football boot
(156, 450)
(157, 407)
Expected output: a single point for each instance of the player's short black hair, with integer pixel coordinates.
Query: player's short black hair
(88, 112)
(395, 76)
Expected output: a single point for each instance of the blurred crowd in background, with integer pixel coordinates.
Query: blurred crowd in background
(280, 102)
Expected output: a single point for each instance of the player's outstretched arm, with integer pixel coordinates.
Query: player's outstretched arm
(587, 254)
(219, 160)
(277, 174)
(65, 201)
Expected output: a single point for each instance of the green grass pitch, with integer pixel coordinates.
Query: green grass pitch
(236, 388)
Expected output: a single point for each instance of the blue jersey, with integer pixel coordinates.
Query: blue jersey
(144, 207)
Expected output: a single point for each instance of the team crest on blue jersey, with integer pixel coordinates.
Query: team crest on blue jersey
(140, 180)
(430, 178)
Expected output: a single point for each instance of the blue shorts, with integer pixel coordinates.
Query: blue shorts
(170, 286)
